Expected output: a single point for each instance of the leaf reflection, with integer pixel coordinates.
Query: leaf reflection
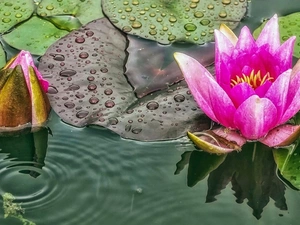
(27, 149)
(252, 173)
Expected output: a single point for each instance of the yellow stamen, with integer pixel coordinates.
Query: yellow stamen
(254, 80)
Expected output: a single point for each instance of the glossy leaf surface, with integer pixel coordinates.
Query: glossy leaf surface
(85, 70)
(174, 20)
(14, 12)
(84, 10)
(155, 63)
(22, 37)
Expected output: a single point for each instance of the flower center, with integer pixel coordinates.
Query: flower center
(254, 80)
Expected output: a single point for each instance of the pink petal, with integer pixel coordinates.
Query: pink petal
(284, 54)
(246, 43)
(282, 135)
(240, 92)
(229, 34)
(293, 96)
(230, 135)
(278, 91)
(223, 73)
(25, 59)
(262, 90)
(223, 44)
(211, 98)
(255, 117)
(269, 36)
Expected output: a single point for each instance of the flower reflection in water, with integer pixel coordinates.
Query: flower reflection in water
(252, 175)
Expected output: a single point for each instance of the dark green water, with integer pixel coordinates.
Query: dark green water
(92, 176)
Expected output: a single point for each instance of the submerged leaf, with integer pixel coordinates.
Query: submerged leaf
(155, 63)
(167, 21)
(88, 87)
(23, 38)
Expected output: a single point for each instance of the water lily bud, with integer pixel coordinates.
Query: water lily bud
(23, 99)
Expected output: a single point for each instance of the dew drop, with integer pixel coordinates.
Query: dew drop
(73, 87)
(81, 114)
(126, 29)
(152, 105)
(127, 127)
(59, 57)
(190, 27)
(136, 24)
(92, 87)
(52, 90)
(113, 121)
(67, 73)
(51, 66)
(79, 95)
(179, 98)
(205, 22)
(108, 91)
(79, 40)
(90, 78)
(104, 70)
(109, 104)
(93, 71)
(6, 20)
(69, 105)
(136, 130)
(93, 100)
(49, 7)
(129, 111)
(89, 33)
(83, 55)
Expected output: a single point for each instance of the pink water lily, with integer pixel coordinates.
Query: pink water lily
(255, 90)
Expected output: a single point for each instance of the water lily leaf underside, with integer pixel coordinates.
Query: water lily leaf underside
(167, 21)
(155, 63)
(23, 38)
(288, 26)
(88, 87)
(288, 164)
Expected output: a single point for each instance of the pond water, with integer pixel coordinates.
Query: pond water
(93, 176)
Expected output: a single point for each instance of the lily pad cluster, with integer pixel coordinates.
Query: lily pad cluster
(35, 25)
(288, 26)
(88, 87)
(167, 21)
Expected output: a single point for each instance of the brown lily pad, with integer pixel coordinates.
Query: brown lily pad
(88, 87)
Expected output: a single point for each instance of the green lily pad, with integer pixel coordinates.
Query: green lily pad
(288, 26)
(167, 21)
(23, 38)
(2, 57)
(84, 10)
(287, 162)
(14, 12)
